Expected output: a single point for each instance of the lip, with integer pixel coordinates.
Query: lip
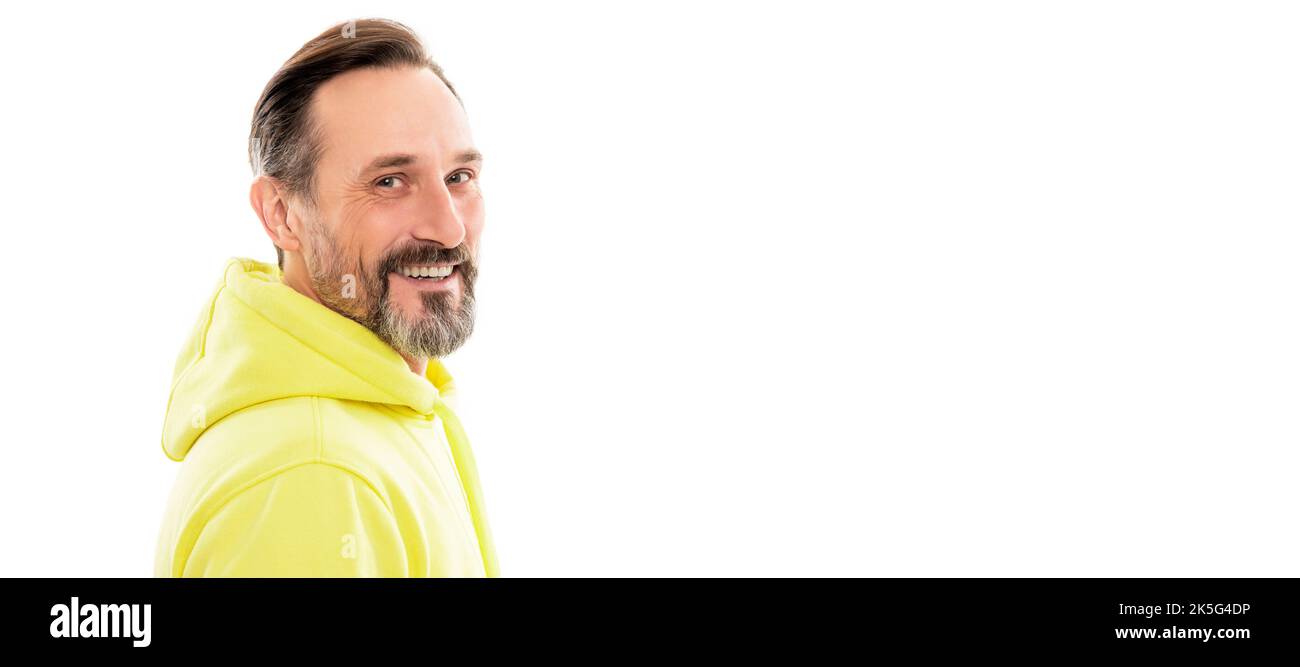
(426, 285)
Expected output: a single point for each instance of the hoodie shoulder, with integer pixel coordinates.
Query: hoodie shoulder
(308, 520)
(285, 432)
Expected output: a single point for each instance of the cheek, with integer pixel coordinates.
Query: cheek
(371, 237)
(473, 216)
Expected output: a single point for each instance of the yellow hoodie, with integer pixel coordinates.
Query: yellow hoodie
(308, 448)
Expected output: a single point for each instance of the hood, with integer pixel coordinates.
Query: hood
(258, 340)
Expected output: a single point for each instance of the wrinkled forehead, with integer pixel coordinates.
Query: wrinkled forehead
(370, 112)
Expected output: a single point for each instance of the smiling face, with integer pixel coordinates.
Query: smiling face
(392, 238)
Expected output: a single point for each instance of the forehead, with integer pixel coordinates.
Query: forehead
(368, 112)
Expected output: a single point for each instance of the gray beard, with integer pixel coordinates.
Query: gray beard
(442, 328)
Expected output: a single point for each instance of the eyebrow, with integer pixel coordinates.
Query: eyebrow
(403, 159)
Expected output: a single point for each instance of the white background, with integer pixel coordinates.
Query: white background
(806, 289)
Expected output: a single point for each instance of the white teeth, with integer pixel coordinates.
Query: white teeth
(437, 272)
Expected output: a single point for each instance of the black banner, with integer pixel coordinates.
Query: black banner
(672, 618)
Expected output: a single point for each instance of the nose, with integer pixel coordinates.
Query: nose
(439, 220)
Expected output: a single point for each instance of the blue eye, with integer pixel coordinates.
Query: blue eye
(468, 174)
(388, 182)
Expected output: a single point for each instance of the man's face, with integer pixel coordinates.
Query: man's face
(393, 239)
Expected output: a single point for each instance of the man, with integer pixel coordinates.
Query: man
(309, 408)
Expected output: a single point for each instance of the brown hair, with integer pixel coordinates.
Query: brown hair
(284, 143)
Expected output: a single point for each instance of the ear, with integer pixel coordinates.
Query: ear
(271, 204)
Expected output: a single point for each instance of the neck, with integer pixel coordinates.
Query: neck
(418, 364)
(296, 277)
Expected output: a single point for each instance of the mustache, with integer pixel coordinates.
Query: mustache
(425, 253)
